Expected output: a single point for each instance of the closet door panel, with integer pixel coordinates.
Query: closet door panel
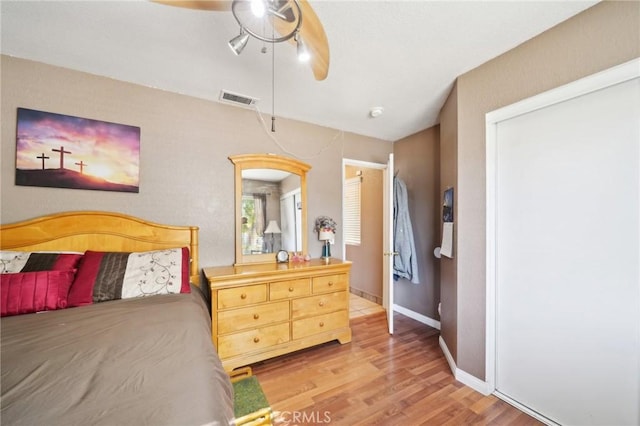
(567, 280)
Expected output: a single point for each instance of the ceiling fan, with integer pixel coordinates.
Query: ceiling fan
(292, 20)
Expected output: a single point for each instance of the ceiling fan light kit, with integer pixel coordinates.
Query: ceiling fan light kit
(281, 18)
(303, 52)
(286, 18)
(238, 43)
(258, 8)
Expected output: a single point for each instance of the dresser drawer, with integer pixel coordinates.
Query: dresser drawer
(329, 283)
(291, 288)
(315, 305)
(253, 316)
(241, 296)
(251, 340)
(319, 324)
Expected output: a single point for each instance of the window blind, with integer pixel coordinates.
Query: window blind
(352, 211)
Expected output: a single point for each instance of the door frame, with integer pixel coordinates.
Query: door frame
(387, 203)
(612, 76)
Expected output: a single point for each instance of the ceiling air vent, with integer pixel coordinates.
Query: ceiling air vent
(236, 99)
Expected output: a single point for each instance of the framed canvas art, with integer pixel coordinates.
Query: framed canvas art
(63, 151)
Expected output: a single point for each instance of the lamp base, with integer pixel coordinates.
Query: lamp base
(326, 250)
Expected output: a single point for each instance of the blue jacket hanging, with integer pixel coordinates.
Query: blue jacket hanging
(405, 263)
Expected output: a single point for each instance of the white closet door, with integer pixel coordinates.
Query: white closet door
(567, 254)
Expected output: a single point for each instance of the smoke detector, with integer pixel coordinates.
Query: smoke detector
(237, 99)
(376, 112)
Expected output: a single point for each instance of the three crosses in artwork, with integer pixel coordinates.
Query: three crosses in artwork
(62, 152)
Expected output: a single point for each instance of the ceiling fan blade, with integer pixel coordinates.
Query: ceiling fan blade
(314, 38)
(213, 5)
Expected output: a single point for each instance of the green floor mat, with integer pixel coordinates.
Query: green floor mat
(248, 397)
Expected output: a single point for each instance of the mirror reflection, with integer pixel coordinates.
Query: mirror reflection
(271, 211)
(270, 206)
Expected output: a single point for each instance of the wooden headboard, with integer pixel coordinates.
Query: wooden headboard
(100, 231)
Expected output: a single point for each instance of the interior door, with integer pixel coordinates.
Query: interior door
(387, 242)
(567, 250)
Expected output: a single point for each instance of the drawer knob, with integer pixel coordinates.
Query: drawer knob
(290, 289)
(256, 316)
(321, 303)
(256, 339)
(330, 283)
(243, 296)
(321, 324)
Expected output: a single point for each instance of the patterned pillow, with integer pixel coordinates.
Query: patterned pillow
(104, 276)
(26, 261)
(28, 292)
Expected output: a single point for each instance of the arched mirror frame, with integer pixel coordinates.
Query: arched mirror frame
(267, 161)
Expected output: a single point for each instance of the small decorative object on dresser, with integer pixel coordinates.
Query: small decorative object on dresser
(282, 256)
(265, 310)
(326, 229)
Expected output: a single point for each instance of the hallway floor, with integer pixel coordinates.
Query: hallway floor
(359, 306)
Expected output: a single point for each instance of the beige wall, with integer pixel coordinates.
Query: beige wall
(366, 272)
(185, 176)
(449, 179)
(417, 162)
(599, 38)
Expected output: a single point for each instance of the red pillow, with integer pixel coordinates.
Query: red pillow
(28, 292)
(104, 276)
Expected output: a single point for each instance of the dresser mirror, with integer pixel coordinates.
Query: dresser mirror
(271, 206)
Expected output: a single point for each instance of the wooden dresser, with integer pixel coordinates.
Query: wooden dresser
(264, 310)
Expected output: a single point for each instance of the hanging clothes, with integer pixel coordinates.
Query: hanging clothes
(405, 263)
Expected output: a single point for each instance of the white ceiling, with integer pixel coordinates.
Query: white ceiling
(401, 55)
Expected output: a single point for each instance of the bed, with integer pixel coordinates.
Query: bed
(116, 361)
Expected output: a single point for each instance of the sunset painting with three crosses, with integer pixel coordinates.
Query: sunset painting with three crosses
(63, 151)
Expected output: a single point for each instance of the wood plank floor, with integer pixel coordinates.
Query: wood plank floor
(378, 379)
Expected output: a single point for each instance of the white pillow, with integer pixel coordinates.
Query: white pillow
(12, 262)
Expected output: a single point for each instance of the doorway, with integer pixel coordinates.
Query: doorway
(364, 248)
(363, 237)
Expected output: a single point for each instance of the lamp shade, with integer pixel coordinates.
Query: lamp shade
(326, 235)
(272, 228)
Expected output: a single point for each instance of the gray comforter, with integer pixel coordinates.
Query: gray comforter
(127, 362)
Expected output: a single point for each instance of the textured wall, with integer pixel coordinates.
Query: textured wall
(185, 175)
(449, 179)
(596, 39)
(417, 162)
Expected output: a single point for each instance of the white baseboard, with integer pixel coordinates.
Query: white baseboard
(461, 375)
(447, 355)
(473, 382)
(416, 316)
